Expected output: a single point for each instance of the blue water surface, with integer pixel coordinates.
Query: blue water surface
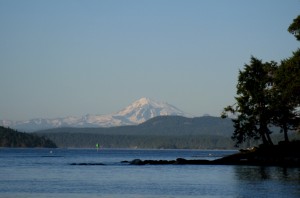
(50, 173)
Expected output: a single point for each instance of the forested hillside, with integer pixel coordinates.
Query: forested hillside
(87, 140)
(162, 125)
(13, 138)
(160, 132)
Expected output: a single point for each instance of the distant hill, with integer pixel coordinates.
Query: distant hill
(13, 138)
(178, 125)
(159, 132)
(161, 125)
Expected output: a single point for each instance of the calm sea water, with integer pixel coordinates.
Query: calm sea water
(49, 173)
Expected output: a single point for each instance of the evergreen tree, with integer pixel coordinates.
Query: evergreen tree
(294, 28)
(267, 94)
(253, 100)
(287, 89)
(286, 95)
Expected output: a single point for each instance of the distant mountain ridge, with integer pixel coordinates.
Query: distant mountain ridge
(161, 125)
(136, 113)
(179, 132)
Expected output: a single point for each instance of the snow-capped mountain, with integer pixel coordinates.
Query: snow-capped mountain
(145, 108)
(136, 113)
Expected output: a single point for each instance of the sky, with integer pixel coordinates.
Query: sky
(75, 57)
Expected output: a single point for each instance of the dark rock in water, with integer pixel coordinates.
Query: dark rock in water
(178, 161)
(159, 162)
(151, 162)
(87, 164)
(184, 161)
(137, 162)
(284, 154)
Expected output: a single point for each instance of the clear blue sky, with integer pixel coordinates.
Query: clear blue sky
(74, 57)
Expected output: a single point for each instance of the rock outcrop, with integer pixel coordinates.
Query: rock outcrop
(283, 154)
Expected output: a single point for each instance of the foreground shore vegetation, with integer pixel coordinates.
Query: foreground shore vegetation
(268, 94)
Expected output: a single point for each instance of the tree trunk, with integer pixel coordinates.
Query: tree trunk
(264, 131)
(285, 132)
(264, 139)
(269, 138)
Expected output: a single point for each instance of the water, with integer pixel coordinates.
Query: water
(48, 173)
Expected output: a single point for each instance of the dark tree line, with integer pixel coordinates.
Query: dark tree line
(87, 140)
(268, 94)
(13, 138)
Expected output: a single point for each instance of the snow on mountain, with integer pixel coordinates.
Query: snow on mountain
(136, 113)
(145, 108)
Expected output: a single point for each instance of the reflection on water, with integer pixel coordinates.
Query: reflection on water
(267, 173)
(268, 181)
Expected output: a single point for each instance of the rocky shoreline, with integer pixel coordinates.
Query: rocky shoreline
(283, 154)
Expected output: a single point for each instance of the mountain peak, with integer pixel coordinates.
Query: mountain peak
(146, 101)
(146, 108)
(142, 101)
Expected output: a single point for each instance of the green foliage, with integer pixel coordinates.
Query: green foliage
(12, 138)
(288, 80)
(252, 102)
(286, 95)
(267, 94)
(294, 28)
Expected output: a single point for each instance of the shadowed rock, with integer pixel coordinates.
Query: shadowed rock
(87, 164)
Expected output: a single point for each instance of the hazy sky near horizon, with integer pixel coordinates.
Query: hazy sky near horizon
(75, 57)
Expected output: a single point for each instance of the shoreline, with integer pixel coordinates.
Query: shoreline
(283, 154)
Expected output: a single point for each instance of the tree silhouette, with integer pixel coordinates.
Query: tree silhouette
(267, 94)
(252, 108)
(286, 95)
(294, 28)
